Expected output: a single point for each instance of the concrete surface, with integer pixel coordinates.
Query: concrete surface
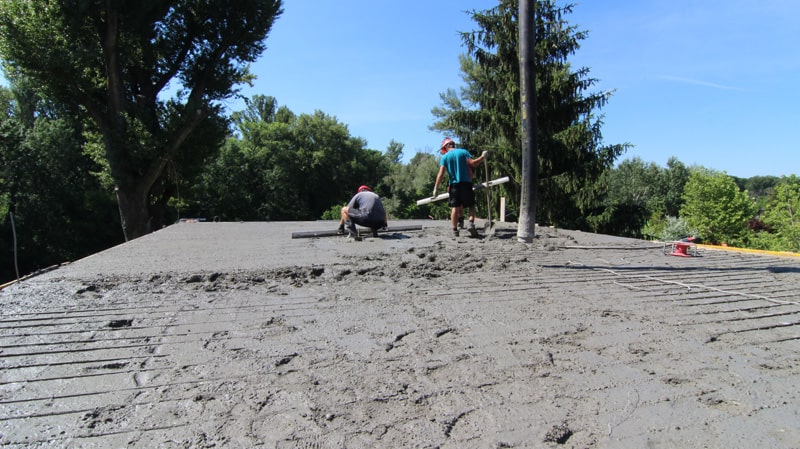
(235, 335)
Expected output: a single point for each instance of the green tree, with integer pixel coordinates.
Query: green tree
(782, 214)
(61, 212)
(714, 205)
(761, 188)
(394, 152)
(410, 182)
(638, 197)
(285, 167)
(632, 194)
(149, 74)
(758, 186)
(486, 114)
(663, 222)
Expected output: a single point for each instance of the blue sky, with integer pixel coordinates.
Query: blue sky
(712, 82)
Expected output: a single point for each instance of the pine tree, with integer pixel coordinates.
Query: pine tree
(486, 113)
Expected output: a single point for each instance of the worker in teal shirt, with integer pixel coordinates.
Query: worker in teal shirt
(459, 164)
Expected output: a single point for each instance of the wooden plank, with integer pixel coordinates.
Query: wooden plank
(326, 233)
(476, 187)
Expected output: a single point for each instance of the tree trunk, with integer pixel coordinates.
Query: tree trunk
(133, 212)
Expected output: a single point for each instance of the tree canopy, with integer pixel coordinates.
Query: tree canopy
(714, 205)
(148, 73)
(286, 167)
(51, 203)
(782, 214)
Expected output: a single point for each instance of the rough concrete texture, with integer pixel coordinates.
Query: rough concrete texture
(236, 335)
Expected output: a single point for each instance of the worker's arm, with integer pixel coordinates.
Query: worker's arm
(472, 163)
(438, 180)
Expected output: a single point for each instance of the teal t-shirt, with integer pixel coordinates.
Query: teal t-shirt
(455, 161)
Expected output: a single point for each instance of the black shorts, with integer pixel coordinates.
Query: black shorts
(361, 218)
(461, 194)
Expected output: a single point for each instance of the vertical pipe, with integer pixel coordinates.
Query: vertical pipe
(530, 167)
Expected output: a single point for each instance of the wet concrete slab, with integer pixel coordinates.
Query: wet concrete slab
(237, 335)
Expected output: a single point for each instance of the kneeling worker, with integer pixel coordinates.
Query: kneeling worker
(365, 209)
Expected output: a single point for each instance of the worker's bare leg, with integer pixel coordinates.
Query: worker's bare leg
(455, 213)
(472, 231)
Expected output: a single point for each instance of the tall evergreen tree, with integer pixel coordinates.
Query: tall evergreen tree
(485, 114)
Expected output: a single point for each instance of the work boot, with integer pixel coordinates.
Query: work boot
(455, 232)
(352, 232)
(472, 231)
(341, 229)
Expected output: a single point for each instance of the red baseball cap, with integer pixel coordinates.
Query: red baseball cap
(446, 141)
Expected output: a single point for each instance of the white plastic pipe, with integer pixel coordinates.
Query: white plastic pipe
(476, 187)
